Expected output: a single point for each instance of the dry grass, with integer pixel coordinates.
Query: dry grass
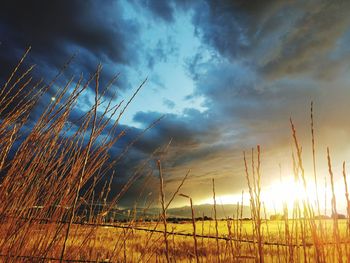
(52, 176)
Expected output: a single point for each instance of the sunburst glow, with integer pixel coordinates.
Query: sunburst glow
(287, 192)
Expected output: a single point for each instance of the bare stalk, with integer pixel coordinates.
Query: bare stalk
(216, 224)
(334, 211)
(314, 158)
(194, 227)
(87, 154)
(163, 215)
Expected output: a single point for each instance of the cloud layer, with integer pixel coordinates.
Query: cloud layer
(253, 65)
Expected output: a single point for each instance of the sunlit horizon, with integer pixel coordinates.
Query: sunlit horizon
(288, 192)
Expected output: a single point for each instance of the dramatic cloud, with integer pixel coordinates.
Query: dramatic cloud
(290, 37)
(58, 29)
(260, 64)
(226, 75)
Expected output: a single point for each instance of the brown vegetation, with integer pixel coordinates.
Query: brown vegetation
(41, 194)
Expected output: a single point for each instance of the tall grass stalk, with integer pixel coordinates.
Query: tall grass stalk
(163, 215)
(216, 223)
(195, 247)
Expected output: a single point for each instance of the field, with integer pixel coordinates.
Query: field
(138, 242)
(51, 170)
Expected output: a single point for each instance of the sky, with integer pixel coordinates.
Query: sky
(226, 75)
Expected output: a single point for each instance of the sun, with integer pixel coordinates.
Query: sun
(287, 192)
(274, 196)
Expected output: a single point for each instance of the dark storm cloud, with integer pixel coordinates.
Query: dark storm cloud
(272, 56)
(57, 29)
(318, 31)
(231, 27)
(171, 127)
(279, 37)
(296, 44)
(198, 142)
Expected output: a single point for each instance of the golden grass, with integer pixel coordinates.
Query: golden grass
(53, 174)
